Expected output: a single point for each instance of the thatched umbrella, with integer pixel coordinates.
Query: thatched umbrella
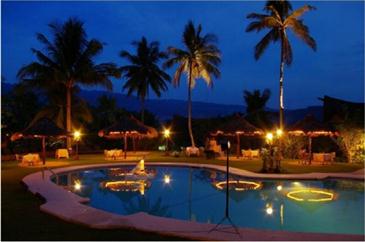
(311, 127)
(128, 127)
(237, 126)
(41, 128)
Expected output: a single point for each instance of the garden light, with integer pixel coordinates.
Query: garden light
(167, 179)
(269, 210)
(77, 135)
(166, 133)
(269, 137)
(279, 133)
(77, 185)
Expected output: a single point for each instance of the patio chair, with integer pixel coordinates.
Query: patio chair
(192, 151)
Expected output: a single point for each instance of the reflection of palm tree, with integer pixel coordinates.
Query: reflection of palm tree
(143, 204)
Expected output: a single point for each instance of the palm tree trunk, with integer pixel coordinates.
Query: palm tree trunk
(68, 116)
(189, 108)
(142, 110)
(281, 89)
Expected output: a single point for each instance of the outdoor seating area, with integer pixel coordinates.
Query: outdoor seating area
(31, 159)
(61, 153)
(324, 158)
(249, 154)
(173, 121)
(115, 154)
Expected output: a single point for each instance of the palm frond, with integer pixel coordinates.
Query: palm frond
(302, 32)
(299, 12)
(264, 43)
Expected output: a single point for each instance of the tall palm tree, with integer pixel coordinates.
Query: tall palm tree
(144, 73)
(278, 21)
(199, 59)
(68, 59)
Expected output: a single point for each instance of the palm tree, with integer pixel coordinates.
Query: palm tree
(68, 60)
(278, 21)
(144, 73)
(199, 59)
(256, 102)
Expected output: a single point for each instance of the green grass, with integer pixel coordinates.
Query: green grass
(22, 219)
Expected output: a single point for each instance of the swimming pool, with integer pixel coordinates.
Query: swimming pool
(198, 194)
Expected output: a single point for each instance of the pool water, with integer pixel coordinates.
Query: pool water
(193, 194)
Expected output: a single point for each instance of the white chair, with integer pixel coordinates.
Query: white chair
(192, 151)
(62, 153)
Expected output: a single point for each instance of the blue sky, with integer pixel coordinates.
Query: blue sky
(336, 69)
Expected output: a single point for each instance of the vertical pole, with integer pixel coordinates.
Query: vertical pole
(167, 144)
(238, 145)
(77, 150)
(125, 146)
(134, 143)
(44, 149)
(310, 149)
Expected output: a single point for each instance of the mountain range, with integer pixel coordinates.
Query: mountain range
(166, 108)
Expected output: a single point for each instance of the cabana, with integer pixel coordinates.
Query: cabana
(128, 127)
(311, 127)
(237, 126)
(41, 129)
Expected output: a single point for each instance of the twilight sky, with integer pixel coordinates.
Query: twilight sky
(336, 69)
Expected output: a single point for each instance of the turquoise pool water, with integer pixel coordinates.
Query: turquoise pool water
(197, 194)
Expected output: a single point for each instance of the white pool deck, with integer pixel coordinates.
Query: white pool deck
(69, 207)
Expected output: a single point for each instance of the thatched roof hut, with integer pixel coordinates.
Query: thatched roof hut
(41, 128)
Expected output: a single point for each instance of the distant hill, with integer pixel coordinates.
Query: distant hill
(166, 108)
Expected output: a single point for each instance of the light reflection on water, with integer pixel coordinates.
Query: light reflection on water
(191, 194)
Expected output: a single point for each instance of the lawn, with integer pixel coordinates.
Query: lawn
(22, 220)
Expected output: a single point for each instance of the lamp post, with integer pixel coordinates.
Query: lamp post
(77, 138)
(226, 215)
(166, 134)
